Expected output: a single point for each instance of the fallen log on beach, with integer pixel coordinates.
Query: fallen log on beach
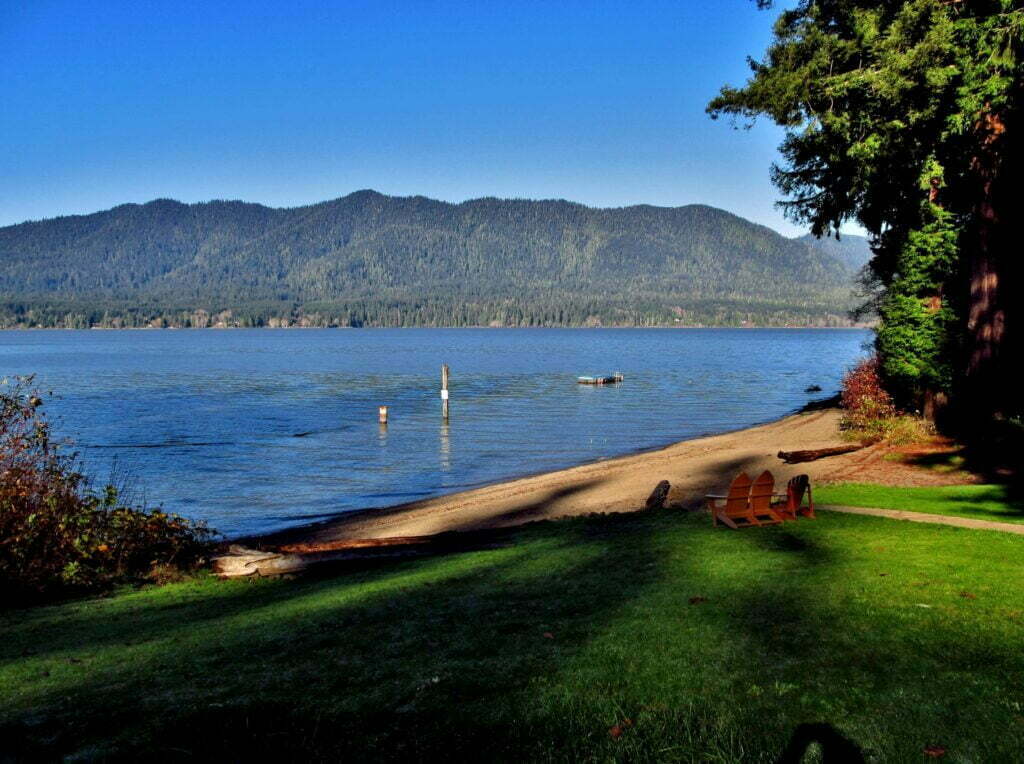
(254, 563)
(240, 561)
(810, 455)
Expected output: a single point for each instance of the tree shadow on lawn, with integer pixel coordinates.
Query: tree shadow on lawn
(1010, 497)
(437, 663)
(240, 596)
(516, 652)
(889, 675)
(404, 659)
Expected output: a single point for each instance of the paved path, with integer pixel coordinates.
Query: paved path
(924, 517)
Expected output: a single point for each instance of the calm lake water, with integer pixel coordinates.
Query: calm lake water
(257, 430)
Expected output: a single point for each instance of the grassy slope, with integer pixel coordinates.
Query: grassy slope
(857, 622)
(984, 502)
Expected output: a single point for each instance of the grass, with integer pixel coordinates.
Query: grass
(647, 636)
(1001, 503)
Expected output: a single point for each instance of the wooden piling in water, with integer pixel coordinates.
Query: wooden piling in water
(444, 391)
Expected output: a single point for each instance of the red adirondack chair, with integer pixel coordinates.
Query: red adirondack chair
(794, 503)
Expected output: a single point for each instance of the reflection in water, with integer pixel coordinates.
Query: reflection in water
(445, 450)
(382, 434)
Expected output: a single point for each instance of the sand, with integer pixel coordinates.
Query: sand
(693, 467)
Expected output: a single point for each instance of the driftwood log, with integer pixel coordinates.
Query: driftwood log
(795, 457)
(252, 562)
(658, 496)
(240, 561)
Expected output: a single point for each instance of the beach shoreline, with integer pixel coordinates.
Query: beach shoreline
(693, 467)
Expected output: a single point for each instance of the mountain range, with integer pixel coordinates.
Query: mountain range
(853, 251)
(367, 259)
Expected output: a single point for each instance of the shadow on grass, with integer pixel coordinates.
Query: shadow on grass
(427, 664)
(1008, 497)
(532, 650)
(415, 658)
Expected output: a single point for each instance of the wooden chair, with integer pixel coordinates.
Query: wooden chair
(734, 505)
(793, 505)
(762, 491)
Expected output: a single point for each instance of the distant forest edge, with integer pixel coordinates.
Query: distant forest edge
(372, 260)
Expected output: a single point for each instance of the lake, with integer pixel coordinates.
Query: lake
(254, 430)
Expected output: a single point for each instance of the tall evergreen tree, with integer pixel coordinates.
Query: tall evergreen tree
(905, 115)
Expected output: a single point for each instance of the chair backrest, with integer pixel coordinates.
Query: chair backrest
(761, 492)
(795, 490)
(739, 494)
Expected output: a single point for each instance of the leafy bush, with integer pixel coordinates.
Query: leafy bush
(904, 430)
(870, 414)
(863, 396)
(56, 534)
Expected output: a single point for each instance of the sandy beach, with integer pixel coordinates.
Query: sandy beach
(693, 467)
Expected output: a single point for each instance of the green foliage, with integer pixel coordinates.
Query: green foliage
(373, 260)
(918, 337)
(888, 103)
(57, 536)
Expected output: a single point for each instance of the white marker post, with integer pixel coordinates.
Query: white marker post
(444, 391)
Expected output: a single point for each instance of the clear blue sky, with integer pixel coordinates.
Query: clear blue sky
(291, 102)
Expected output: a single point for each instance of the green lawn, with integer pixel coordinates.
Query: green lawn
(714, 645)
(984, 502)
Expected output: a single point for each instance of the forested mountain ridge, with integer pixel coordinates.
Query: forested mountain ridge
(370, 259)
(852, 250)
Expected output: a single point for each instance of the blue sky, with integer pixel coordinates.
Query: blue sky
(293, 102)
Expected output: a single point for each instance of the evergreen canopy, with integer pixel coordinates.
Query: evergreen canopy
(904, 116)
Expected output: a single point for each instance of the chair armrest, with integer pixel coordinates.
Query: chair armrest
(714, 501)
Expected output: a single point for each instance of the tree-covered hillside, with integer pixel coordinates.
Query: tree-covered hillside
(369, 259)
(854, 251)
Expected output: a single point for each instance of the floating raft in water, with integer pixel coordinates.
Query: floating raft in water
(604, 379)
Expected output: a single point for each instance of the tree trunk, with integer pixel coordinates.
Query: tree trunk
(986, 374)
(934, 405)
(986, 328)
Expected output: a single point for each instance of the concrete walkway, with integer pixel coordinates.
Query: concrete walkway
(924, 517)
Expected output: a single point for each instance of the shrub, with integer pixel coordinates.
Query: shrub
(865, 400)
(870, 415)
(59, 536)
(904, 430)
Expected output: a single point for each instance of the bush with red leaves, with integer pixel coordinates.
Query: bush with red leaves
(865, 400)
(56, 535)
